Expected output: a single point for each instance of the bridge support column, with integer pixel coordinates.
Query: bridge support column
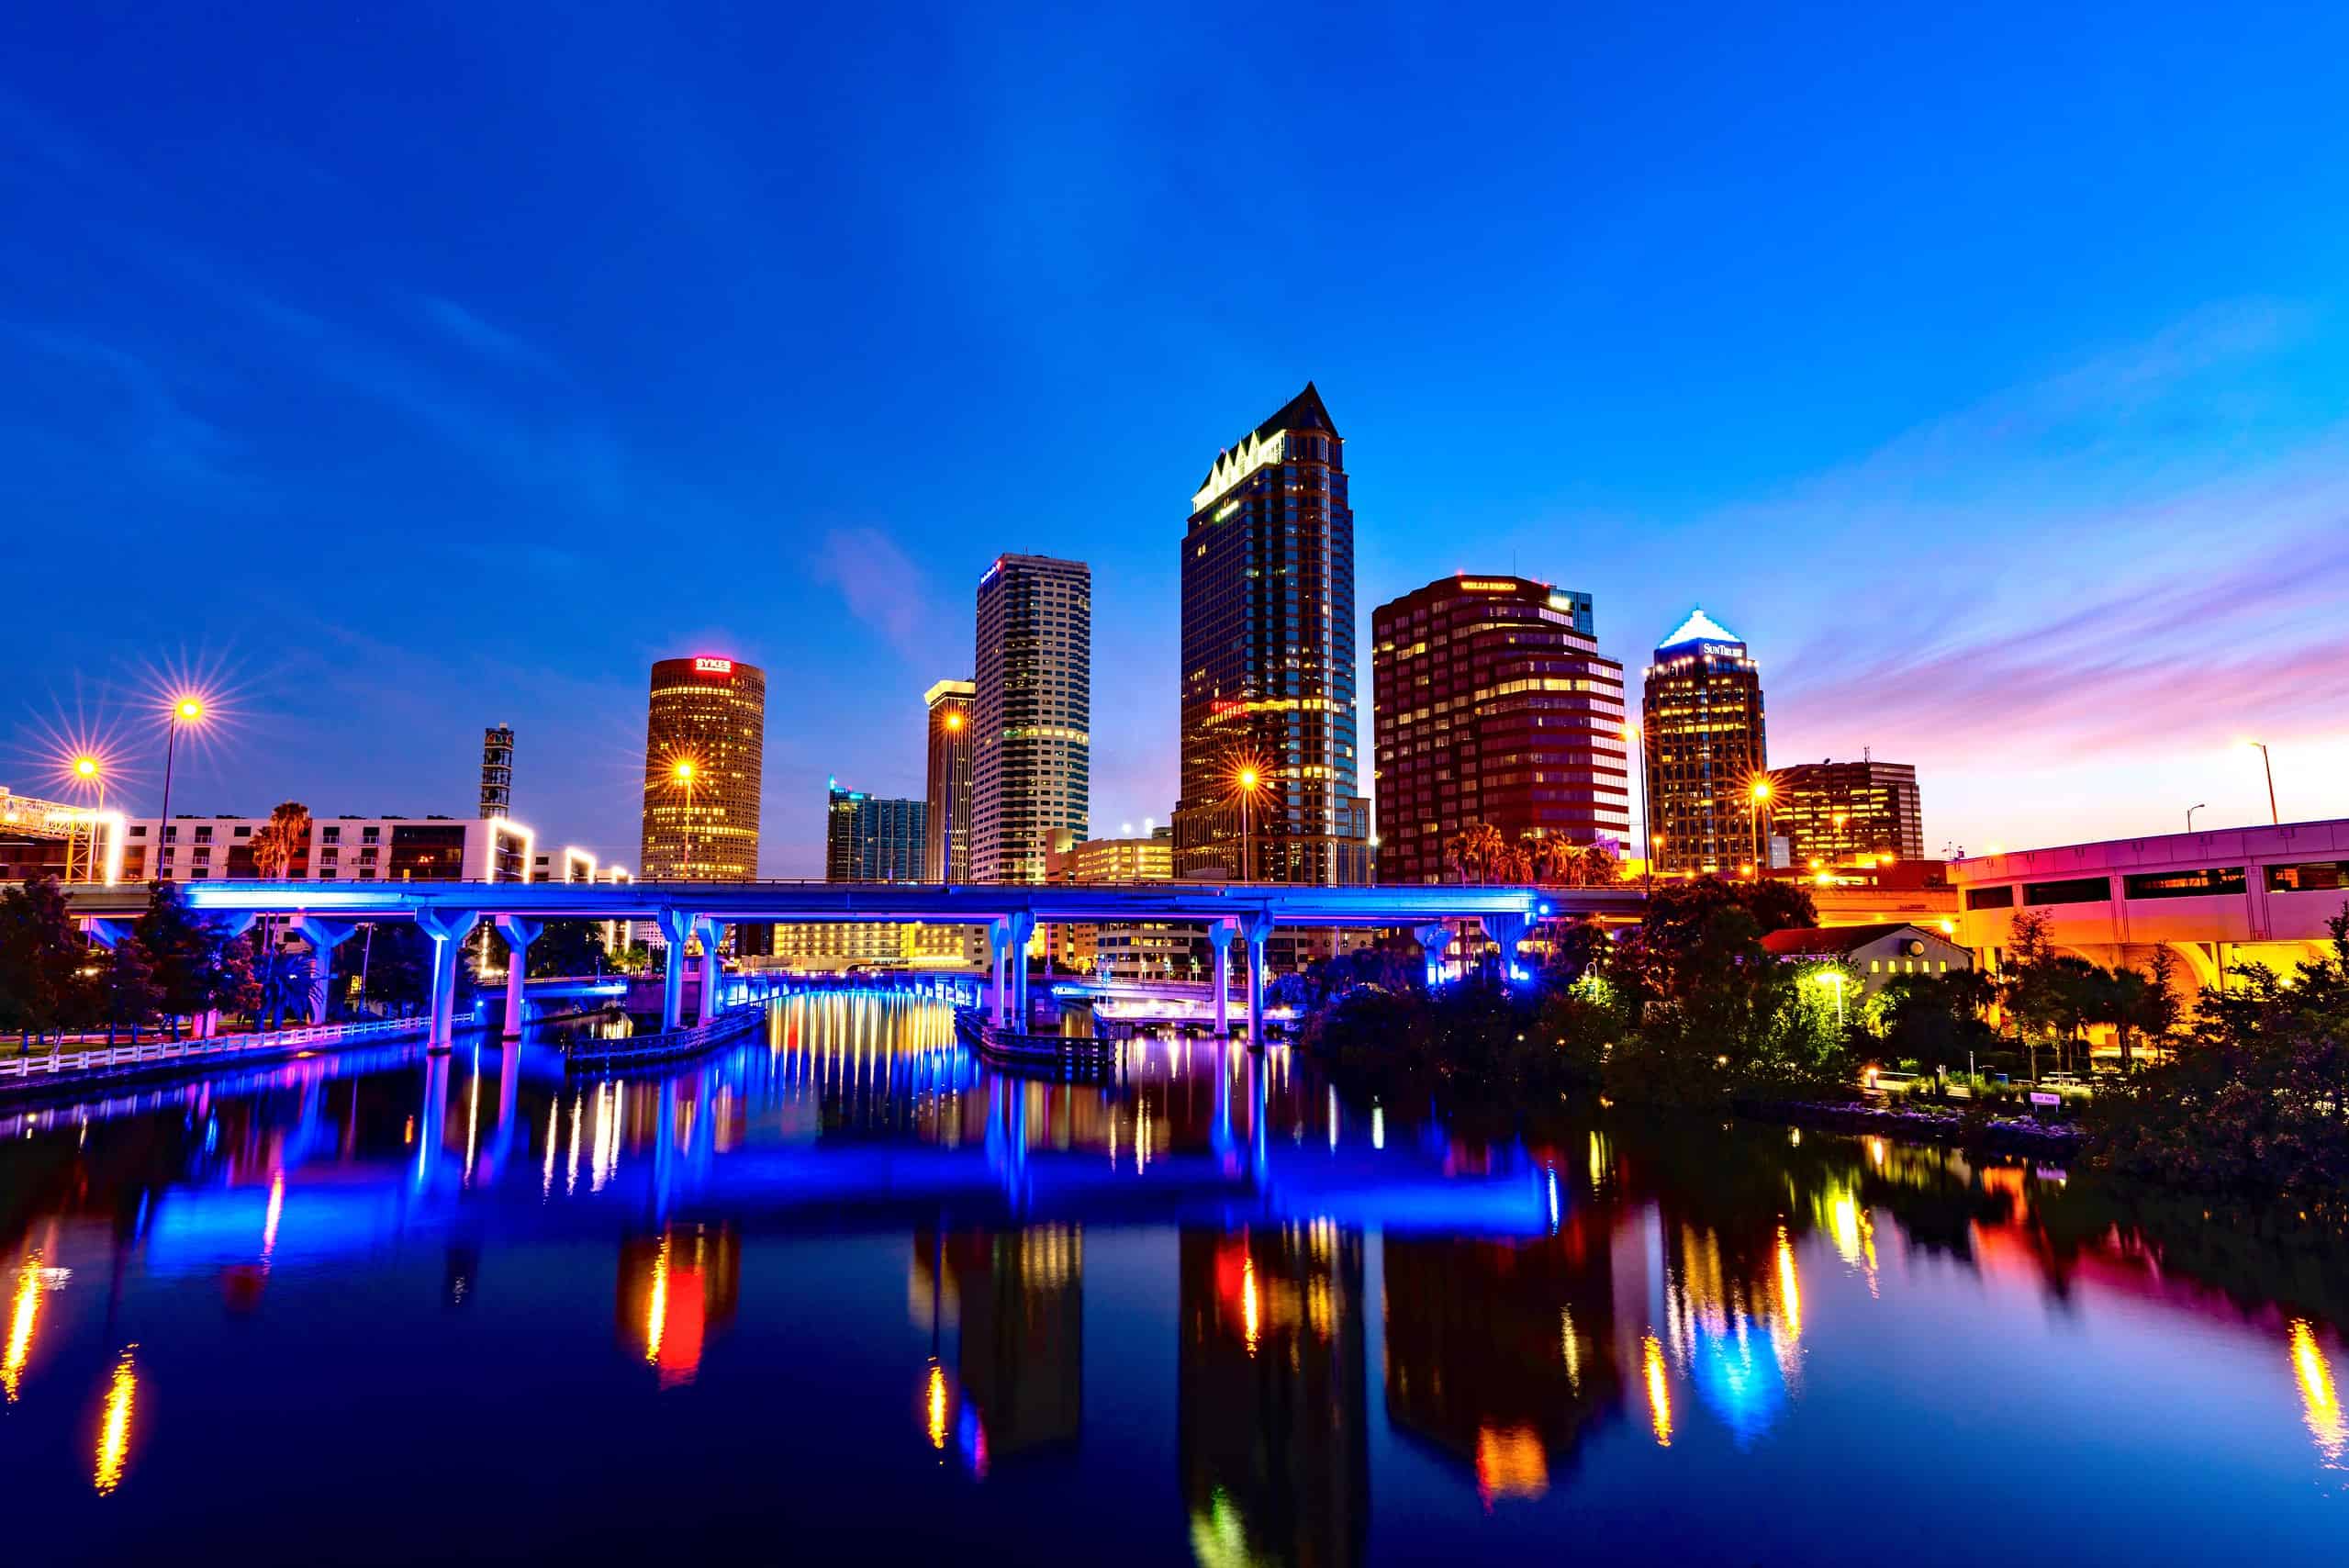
(1257, 928)
(1508, 930)
(448, 929)
(518, 934)
(324, 936)
(1022, 927)
(998, 947)
(1432, 940)
(676, 926)
(104, 931)
(1219, 936)
(708, 1008)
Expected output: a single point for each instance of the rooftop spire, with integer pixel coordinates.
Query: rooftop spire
(1699, 628)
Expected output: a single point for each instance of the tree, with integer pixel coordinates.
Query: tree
(568, 948)
(1478, 850)
(129, 992)
(195, 971)
(42, 960)
(281, 841)
(1935, 1020)
(2028, 994)
(2255, 1098)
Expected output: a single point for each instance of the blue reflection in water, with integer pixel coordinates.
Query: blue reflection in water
(1206, 1310)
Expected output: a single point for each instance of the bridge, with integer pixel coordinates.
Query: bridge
(327, 913)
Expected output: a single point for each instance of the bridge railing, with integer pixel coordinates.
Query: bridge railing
(101, 1058)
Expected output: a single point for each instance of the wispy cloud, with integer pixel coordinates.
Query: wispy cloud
(468, 331)
(881, 584)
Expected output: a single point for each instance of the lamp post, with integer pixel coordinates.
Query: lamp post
(2198, 805)
(186, 711)
(1760, 793)
(2267, 763)
(88, 773)
(681, 777)
(1250, 780)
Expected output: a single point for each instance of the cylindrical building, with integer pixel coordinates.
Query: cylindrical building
(705, 740)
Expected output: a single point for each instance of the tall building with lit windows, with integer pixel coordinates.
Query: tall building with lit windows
(1702, 722)
(1032, 713)
(870, 838)
(705, 746)
(1491, 702)
(1268, 661)
(1848, 813)
(945, 852)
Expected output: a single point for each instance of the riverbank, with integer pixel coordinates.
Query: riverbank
(1998, 1135)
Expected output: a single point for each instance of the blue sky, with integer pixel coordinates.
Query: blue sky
(440, 365)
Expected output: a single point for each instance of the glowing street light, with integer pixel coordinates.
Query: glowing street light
(2268, 763)
(1759, 792)
(187, 712)
(1247, 779)
(681, 774)
(1833, 978)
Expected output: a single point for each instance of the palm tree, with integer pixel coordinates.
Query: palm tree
(282, 840)
(1479, 848)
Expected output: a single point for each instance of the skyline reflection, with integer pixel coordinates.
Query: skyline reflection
(1325, 1310)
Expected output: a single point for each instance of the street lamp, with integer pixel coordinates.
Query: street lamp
(1250, 779)
(1760, 793)
(2197, 806)
(1832, 977)
(2268, 763)
(186, 710)
(681, 777)
(89, 773)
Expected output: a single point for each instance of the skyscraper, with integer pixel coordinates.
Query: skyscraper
(1031, 711)
(870, 838)
(1268, 661)
(1491, 702)
(496, 772)
(945, 854)
(705, 741)
(1841, 814)
(1705, 750)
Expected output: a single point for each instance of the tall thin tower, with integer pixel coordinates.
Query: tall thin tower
(1032, 714)
(1268, 662)
(945, 854)
(496, 771)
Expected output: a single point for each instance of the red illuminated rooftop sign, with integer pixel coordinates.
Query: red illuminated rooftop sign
(714, 667)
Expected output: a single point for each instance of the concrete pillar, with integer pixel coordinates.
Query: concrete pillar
(1507, 930)
(1432, 940)
(676, 926)
(324, 936)
(1022, 927)
(518, 934)
(448, 929)
(1258, 928)
(998, 942)
(1219, 936)
(707, 929)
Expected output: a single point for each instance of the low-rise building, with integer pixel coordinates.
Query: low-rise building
(1875, 953)
(347, 848)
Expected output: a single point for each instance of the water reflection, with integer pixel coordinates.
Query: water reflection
(1310, 1324)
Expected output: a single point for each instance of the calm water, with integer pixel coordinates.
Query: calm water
(840, 1293)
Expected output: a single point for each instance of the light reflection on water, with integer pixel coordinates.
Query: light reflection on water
(1207, 1309)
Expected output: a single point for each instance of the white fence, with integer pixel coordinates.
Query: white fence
(159, 1052)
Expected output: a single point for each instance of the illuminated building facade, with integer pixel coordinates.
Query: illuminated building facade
(870, 838)
(1268, 661)
(1702, 717)
(72, 841)
(945, 845)
(1115, 860)
(833, 946)
(1848, 813)
(708, 713)
(1492, 703)
(1031, 711)
(355, 849)
(496, 772)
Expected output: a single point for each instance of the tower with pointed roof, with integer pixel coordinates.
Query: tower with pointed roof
(1705, 748)
(1268, 661)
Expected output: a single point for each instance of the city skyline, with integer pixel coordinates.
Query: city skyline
(2057, 530)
